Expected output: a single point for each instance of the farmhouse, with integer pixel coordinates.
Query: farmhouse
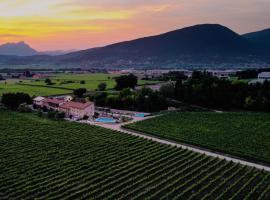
(264, 76)
(77, 109)
(53, 103)
(39, 101)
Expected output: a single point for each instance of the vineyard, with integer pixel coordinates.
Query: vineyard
(242, 134)
(43, 159)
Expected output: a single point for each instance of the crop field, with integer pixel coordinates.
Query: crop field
(242, 134)
(31, 90)
(62, 84)
(43, 159)
(72, 81)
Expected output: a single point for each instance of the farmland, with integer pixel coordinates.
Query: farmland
(242, 134)
(62, 84)
(43, 159)
(31, 90)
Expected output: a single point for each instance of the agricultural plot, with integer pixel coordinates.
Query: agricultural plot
(31, 90)
(43, 159)
(242, 134)
(91, 81)
(63, 84)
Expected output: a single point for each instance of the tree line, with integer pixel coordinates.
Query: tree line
(206, 90)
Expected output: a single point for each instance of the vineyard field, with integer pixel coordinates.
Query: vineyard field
(242, 134)
(45, 159)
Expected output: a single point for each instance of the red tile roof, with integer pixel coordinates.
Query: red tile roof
(77, 105)
(54, 100)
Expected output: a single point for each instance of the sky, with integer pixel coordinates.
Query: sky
(81, 24)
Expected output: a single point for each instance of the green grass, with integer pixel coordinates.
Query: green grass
(31, 90)
(91, 83)
(242, 134)
(43, 159)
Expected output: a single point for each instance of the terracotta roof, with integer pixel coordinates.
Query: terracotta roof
(78, 105)
(54, 100)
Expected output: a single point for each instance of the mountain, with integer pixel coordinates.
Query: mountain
(17, 49)
(196, 42)
(57, 52)
(202, 45)
(261, 38)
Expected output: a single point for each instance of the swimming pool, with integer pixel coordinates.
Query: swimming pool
(139, 115)
(105, 120)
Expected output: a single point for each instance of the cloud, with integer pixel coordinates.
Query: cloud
(88, 23)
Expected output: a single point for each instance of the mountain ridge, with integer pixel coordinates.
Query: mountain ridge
(19, 49)
(199, 44)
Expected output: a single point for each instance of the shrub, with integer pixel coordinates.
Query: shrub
(60, 115)
(51, 114)
(102, 86)
(24, 108)
(85, 117)
(40, 113)
(79, 92)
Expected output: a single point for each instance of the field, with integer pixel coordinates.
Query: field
(243, 134)
(63, 83)
(31, 90)
(43, 159)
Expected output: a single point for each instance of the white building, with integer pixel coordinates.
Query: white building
(264, 76)
(39, 101)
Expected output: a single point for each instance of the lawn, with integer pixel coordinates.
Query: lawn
(243, 134)
(44, 159)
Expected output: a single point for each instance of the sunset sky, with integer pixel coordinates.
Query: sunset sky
(81, 24)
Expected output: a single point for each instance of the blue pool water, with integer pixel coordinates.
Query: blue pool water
(139, 115)
(105, 120)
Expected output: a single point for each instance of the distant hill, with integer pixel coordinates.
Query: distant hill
(17, 49)
(261, 38)
(207, 39)
(56, 52)
(200, 45)
(23, 49)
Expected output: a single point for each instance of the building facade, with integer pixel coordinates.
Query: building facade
(78, 109)
(264, 76)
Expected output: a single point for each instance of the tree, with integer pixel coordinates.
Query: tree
(126, 81)
(82, 82)
(102, 86)
(48, 81)
(167, 90)
(13, 100)
(79, 92)
(100, 99)
(148, 100)
(1, 77)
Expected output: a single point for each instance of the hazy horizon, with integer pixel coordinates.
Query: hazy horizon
(83, 24)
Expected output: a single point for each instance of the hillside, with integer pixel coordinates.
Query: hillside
(199, 40)
(17, 49)
(261, 38)
(200, 45)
